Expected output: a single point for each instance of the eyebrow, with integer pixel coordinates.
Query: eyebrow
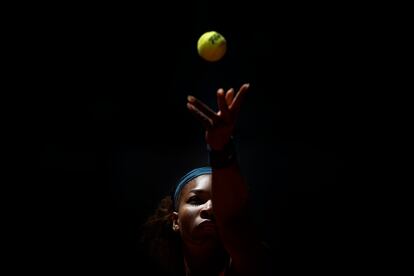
(198, 191)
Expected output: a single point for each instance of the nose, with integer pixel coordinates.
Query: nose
(207, 210)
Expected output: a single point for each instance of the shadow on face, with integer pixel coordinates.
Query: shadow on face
(195, 219)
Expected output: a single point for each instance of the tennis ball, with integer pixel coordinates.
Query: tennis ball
(211, 46)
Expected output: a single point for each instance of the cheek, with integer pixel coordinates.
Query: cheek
(188, 219)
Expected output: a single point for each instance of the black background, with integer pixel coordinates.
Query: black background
(108, 131)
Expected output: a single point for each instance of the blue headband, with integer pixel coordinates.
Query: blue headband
(187, 178)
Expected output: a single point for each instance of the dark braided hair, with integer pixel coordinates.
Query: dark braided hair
(160, 242)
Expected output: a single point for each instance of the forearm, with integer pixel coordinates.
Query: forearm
(229, 189)
(229, 193)
(231, 207)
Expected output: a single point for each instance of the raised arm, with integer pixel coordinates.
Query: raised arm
(229, 191)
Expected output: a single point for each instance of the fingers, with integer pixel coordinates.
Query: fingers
(229, 96)
(203, 108)
(207, 122)
(238, 99)
(228, 103)
(221, 101)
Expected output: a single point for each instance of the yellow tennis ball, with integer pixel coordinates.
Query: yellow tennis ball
(211, 46)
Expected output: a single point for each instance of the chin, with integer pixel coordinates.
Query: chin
(210, 239)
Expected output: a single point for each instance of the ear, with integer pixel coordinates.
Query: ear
(175, 225)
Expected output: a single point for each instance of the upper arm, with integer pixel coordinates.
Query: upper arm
(250, 256)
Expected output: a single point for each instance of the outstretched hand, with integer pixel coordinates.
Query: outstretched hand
(219, 125)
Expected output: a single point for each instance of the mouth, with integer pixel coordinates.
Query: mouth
(207, 224)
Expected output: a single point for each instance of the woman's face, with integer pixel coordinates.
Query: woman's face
(194, 219)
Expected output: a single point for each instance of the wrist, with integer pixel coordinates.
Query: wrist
(224, 157)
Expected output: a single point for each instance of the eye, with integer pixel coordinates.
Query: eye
(195, 200)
